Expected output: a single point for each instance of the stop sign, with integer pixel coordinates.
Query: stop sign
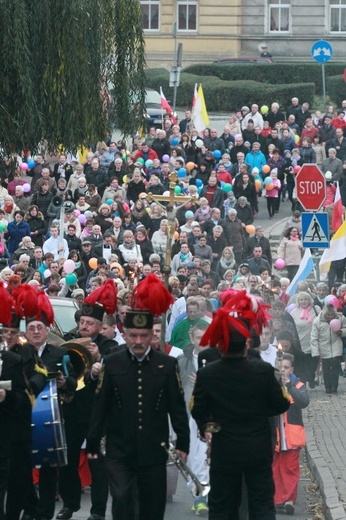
(311, 187)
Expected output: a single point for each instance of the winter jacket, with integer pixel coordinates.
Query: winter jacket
(290, 251)
(36, 224)
(324, 342)
(15, 233)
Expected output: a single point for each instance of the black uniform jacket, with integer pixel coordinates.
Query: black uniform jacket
(135, 400)
(239, 395)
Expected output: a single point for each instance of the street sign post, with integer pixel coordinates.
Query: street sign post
(311, 187)
(322, 51)
(315, 230)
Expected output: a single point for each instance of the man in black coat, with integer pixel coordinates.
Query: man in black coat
(238, 396)
(260, 240)
(141, 386)
(77, 415)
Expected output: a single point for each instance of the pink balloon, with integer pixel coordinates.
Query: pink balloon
(335, 325)
(82, 219)
(280, 263)
(23, 166)
(26, 187)
(332, 300)
(47, 273)
(76, 212)
(69, 266)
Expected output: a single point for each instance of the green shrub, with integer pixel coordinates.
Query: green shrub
(277, 73)
(228, 95)
(336, 89)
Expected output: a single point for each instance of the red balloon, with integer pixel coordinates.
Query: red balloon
(296, 169)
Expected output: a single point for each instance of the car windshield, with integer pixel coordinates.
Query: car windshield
(152, 97)
(64, 316)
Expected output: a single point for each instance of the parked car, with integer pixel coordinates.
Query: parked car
(153, 112)
(245, 61)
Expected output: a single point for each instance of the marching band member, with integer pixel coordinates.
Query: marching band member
(141, 386)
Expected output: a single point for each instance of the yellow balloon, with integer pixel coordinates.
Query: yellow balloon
(125, 179)
(297, 138)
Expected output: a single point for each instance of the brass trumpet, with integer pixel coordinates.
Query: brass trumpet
(210, 427)
(200, 490)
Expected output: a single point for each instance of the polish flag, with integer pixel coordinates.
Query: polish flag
(164, 103)
(337, 210)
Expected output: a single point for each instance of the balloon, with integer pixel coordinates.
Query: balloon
(93, 263)
(3, 226)
(217, 154)
(23, 166)
(280, 263)
(266, 168)
(88, 214)
(199, 190)
(82, 219)
(26, 187)
(269, 187)
(268, 180)
(165, 158)
(258, 184)
(199, 183)
(140, 160)
(335, 325)
(291, 308)
(189, 214)
(71, 279)
(214, 303)
(142, 195)
(149, 163)
(31, 164)
(199, 143)
(296, 138)
(250, 229)
(296, 169)
(166, 193)
(69, 266)
(125, 179)
(76, 212)
(177, 190)
(47, 273)
(332, 300)
(175, 141)
(176, 235)
(190, 165)
(264, 109)
(227, 187)
(182, 172)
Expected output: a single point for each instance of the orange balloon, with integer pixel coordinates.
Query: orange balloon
(190, 165)
(269, 187)
(258, 184)
(250, 229)
(266, 168)
(176, 235)
(93, 263)
(142, 195)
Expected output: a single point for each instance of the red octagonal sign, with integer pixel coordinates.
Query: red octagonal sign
(311, 187)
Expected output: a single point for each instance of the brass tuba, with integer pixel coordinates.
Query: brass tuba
(80, 358)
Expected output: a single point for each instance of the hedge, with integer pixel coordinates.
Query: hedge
(228, 95)
(274, 74)
(336, 89)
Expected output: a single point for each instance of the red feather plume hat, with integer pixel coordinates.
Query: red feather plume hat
(150, 298)
(232, 324)
(102, 300)
(6, 306)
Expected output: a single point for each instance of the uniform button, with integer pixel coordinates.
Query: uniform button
(140, 403)
(140, 411)
(139, 371)
(140, 427)
(140, 419)
(140, 388)
(140, 396)
(139, 380)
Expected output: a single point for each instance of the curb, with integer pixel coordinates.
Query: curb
(334, 507)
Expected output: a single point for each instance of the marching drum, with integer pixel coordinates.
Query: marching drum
(48, 432)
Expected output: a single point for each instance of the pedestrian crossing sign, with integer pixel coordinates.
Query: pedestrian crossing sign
(315, 230)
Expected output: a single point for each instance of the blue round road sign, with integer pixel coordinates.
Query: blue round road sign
(321, 51)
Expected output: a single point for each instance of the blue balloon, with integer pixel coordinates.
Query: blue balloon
(217, 154)
(268, 180)
(182, 172)
(200, 190)
(31, 164)
(175, 141)
(199, 183)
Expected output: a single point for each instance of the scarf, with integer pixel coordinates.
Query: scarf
(226, 264)
(184, 257)
(131, 245)
(138, 213)
(8, 209)
(306, 314)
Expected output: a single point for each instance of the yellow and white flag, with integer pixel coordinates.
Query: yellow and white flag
(336, 251)
(200, 115)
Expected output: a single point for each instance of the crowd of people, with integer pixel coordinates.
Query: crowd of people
(111, 246)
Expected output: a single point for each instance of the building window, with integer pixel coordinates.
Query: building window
(279, 15)
(337, 15)
(187, 15)
(150, 14)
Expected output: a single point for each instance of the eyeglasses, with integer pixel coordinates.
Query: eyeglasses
(32, 328)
